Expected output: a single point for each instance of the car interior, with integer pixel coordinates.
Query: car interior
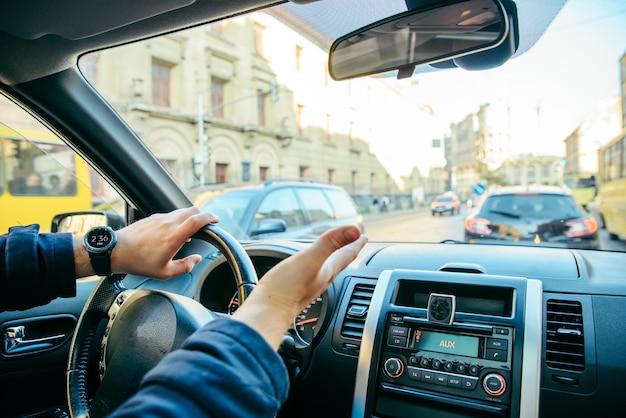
(409, 329)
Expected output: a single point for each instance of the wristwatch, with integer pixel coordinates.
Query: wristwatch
(99, 243)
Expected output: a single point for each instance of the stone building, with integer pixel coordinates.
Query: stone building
(219, 106)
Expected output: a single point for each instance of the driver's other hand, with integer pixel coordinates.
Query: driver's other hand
(147, 247)
(293, 283)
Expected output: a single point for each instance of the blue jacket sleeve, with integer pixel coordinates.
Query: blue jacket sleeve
(35, 268)
(225, 369)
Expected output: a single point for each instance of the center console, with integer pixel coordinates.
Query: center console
(452, 345)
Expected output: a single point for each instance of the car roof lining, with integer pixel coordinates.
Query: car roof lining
(48, 44)
(36, 45)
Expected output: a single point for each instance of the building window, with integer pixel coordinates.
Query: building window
(299, 113)
(331, 173)
(221, 173)
(531, 174)
(304, 172)
(161, 83)
(354, 179)
(217, 28)
(258, 38)
(260, 106)
(245, 171)
(298, 58)
(263, 173)
(218, 86)
(329, 136)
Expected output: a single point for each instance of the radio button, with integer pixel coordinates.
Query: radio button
(414, 373)
(424, 362)
(497, 343)
(413, 361)
(448, 366)
(394, 341)
(497, 355)
(402, 332)
(474, 369)
(441, 379)
(436, 364)
(501, 331)
(428, 377)
(494, 384)
(455, 381)
(469, 383)
(393, 367)
(461, 368)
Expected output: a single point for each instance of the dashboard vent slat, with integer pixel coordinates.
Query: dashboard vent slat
(358, 305)
(565, 337)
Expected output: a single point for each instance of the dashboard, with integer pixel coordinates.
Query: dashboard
(451, 330)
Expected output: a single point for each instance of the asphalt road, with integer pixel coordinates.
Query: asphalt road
(417, 225)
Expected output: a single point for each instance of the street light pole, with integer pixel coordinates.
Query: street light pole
(201, 138)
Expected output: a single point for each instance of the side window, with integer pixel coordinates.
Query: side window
(40, 176)
(342, 203)
(315, 204)
(281, 204)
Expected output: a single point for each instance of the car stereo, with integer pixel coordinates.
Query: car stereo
(469, 360)
(450, 344)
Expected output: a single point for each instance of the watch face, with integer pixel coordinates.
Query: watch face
(101, 238)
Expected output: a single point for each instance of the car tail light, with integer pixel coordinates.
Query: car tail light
(578, 228)
(478, 226)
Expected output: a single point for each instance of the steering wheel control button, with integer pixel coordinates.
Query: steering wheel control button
(497, 355)
(494, 384)
(393, 367)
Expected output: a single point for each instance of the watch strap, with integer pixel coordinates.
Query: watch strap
(101, 263)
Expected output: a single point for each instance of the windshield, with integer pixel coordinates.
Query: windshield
(247, 100)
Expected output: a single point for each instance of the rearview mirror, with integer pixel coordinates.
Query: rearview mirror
(79, 223)
(426, 35)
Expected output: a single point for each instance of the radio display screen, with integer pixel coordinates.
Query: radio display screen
(440, 342)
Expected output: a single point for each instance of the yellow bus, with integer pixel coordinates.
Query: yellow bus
(582, 186)
(40, 177)
(612, 187)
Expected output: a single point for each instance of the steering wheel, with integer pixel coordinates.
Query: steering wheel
(142, 327)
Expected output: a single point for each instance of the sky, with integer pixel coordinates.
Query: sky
(588, 37)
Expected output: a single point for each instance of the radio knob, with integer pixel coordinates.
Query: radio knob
(494, 384)
(393, 367)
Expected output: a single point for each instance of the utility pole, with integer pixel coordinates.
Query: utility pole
(201, 139)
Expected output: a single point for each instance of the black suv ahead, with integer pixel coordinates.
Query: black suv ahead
(534, 215)
(281, 209)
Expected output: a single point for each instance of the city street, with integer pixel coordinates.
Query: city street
(417, 225)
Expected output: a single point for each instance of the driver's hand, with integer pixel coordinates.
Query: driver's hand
(293, 283)
(147, 247)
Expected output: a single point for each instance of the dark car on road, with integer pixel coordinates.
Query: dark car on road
(546, 216)
(281, 209)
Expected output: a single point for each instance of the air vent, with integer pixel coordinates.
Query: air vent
(565, 339)
(359, 303)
